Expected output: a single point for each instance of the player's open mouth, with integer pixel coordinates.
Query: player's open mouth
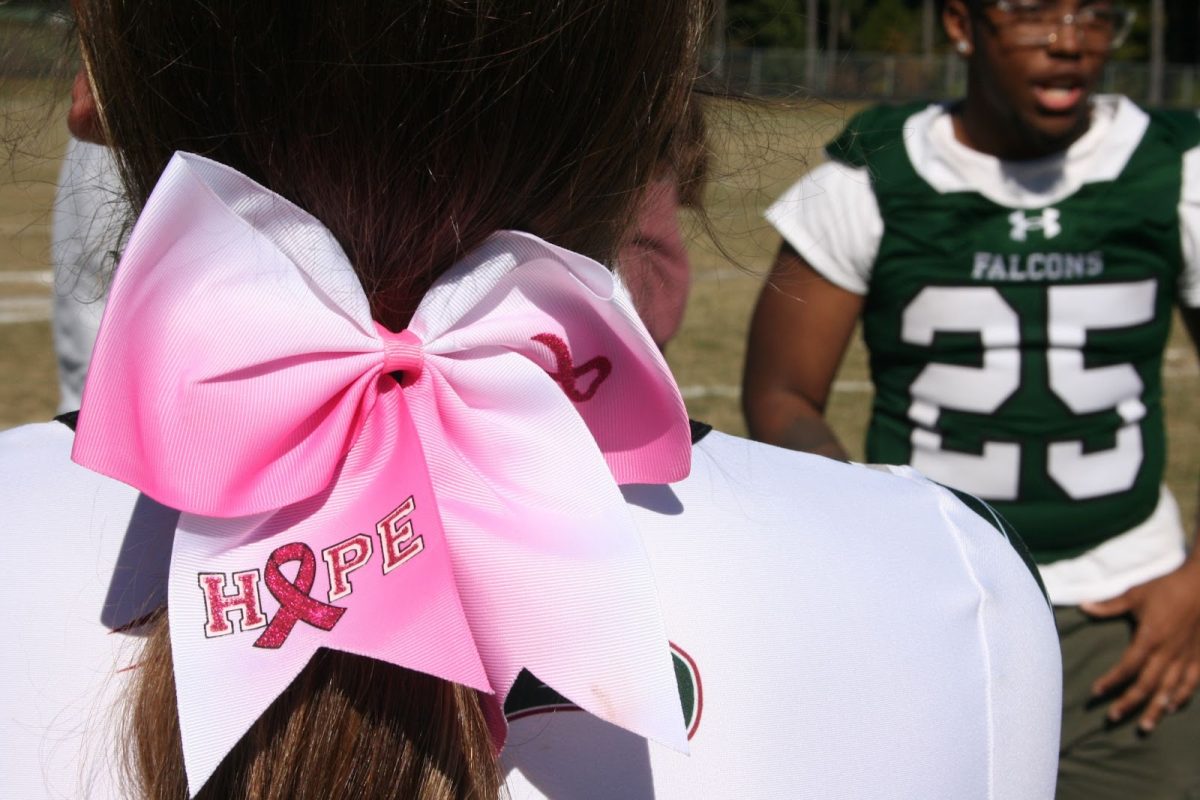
(1058, 99)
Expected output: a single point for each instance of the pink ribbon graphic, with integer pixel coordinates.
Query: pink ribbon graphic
(294, 601)
(465, 521)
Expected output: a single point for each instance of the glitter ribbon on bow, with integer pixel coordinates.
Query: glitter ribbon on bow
(464, 521)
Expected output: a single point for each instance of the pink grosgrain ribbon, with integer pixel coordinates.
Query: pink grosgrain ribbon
(465, 521)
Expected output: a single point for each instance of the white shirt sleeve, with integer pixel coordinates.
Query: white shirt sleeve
(89, 210)
(831, 218)
(1189, 229)
(63, 671)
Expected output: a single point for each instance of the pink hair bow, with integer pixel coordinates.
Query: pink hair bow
(465, 521)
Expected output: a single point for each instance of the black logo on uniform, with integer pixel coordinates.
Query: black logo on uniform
(530, 696)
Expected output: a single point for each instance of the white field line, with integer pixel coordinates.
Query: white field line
(43, 277)
(734, 392)
(1180, 362)
(24, 309)
(698, 392)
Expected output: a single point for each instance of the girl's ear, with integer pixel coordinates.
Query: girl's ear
(83, 120)
(956, 19)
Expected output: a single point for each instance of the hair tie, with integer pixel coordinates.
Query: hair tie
(401, 352)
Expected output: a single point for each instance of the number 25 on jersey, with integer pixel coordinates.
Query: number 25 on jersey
(1072, 311)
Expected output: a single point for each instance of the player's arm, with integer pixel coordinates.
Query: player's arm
(798, 337)
(1160, 670)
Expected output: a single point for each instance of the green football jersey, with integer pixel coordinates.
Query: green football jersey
(1016, 353)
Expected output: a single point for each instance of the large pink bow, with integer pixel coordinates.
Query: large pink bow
(465, 521)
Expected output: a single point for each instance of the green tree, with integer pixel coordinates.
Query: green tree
(1182, 35)
(1183, 31)
(843, 19)
(765, 23)
(890, 26)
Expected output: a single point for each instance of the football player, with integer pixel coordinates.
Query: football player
(1015, 258)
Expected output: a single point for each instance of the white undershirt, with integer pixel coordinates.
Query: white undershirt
(89, 210)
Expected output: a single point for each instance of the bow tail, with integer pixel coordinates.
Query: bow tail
(588, 627)
(363, 567)
(553, 574)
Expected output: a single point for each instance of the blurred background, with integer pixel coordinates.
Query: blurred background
(895, 50)
(813, 63)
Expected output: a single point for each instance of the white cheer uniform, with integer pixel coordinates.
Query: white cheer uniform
(850, 633)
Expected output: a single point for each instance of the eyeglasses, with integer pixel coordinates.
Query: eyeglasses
(1039, 23)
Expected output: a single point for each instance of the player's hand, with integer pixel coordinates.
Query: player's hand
(1162, 663)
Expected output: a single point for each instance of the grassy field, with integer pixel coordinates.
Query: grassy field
(34, 131)
(759, 152)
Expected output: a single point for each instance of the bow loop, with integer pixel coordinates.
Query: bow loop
(233, 380)
(466, 522)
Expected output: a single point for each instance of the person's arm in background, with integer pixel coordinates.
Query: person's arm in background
(808, 308)
(798, 336)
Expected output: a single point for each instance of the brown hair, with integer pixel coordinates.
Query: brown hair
(412, 130)
(347, 726)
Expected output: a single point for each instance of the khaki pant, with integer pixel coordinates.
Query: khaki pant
(1100, 761)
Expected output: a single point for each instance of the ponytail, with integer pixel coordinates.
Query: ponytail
(347, 726)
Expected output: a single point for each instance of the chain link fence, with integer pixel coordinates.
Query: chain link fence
(37, 44)
(780, 72)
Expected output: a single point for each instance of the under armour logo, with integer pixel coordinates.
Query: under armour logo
(1046, 222)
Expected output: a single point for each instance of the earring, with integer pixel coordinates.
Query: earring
(961, 46)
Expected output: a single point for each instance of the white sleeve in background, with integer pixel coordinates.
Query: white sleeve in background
(89, 211)
(831, 218)
(1189, 229)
